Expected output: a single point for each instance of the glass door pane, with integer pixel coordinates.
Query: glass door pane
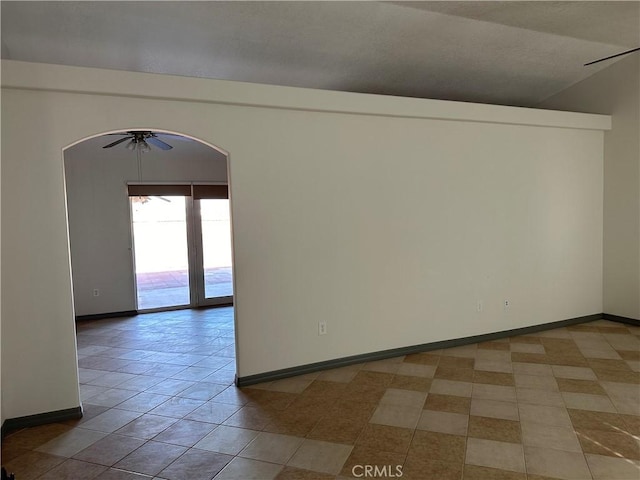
(216, 248)
(160, 251)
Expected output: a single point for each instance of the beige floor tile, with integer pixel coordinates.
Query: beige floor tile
(625, 397)
(544, 414)
(32, 464)
(73, 469)
(225, 439)
(396, 416)
(388, 366)
(177, 407)
(532, 368)
(473, 472)
(465, 351)
(109, 450)
(143, 402)
(146, 426)
(360, 458)
(556, 463)
(343, 375)
(426, 358)
(447, 361)
(213, 412)
(404, 398)
(634, 365)
(421, 468)
(493, 366)
(292, 473)
(489, 453)
(608, 353)
(195, 465)
(290, 385)
(494, 409)
(247, 469)
(185, 432)
(111, 397)
(71, 442)
(31, 438)
(321, 456)
(579, 373)
(493, 355)
(111, 420)
(499, 344)
(494, 392)
(607, 468)
(539, 397)
(586, 401)
(271, 447)
(555, 333)
(443, 422)
(151, 458)
(527, 348)
(538, 382)
(450, 387)
(558, 438)
(417, 370)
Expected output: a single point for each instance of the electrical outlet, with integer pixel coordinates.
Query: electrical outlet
(479, 306)
(96, 292)
(506, 304)
(322, 328)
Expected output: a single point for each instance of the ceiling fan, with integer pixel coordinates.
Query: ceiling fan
(140, 140)
(613, 56)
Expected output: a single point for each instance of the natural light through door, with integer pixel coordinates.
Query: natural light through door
(216, 247)
(160, 251)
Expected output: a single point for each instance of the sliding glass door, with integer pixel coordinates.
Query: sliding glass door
(181, 245)
(215, 224)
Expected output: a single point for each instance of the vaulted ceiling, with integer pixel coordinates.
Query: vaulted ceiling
(513, 53)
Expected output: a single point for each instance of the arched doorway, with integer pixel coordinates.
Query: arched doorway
(149, 222)
(173, 358)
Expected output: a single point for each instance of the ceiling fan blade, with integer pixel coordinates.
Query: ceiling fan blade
(153, 140)
(613, 56)
(117, 142)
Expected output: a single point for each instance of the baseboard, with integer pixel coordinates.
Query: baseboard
(396, 352)
(617, 318)
(100, 316)
(12, 424)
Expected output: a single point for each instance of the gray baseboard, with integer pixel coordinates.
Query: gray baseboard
(396, 352)
(100, 316)
(617, 318)
(12, 424)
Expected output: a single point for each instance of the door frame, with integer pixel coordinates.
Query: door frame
(195, 253)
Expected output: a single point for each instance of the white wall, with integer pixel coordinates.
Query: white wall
(99, 215)
(386, 217)
(616, 91)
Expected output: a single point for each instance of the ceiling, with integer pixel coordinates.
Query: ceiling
(511, 53)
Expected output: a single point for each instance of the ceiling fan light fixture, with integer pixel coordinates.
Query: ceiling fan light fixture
(131, 145)
(144, 146)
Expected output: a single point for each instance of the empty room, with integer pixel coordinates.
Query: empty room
(320, 240)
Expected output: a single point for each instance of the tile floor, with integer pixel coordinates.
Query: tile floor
(160, 403)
